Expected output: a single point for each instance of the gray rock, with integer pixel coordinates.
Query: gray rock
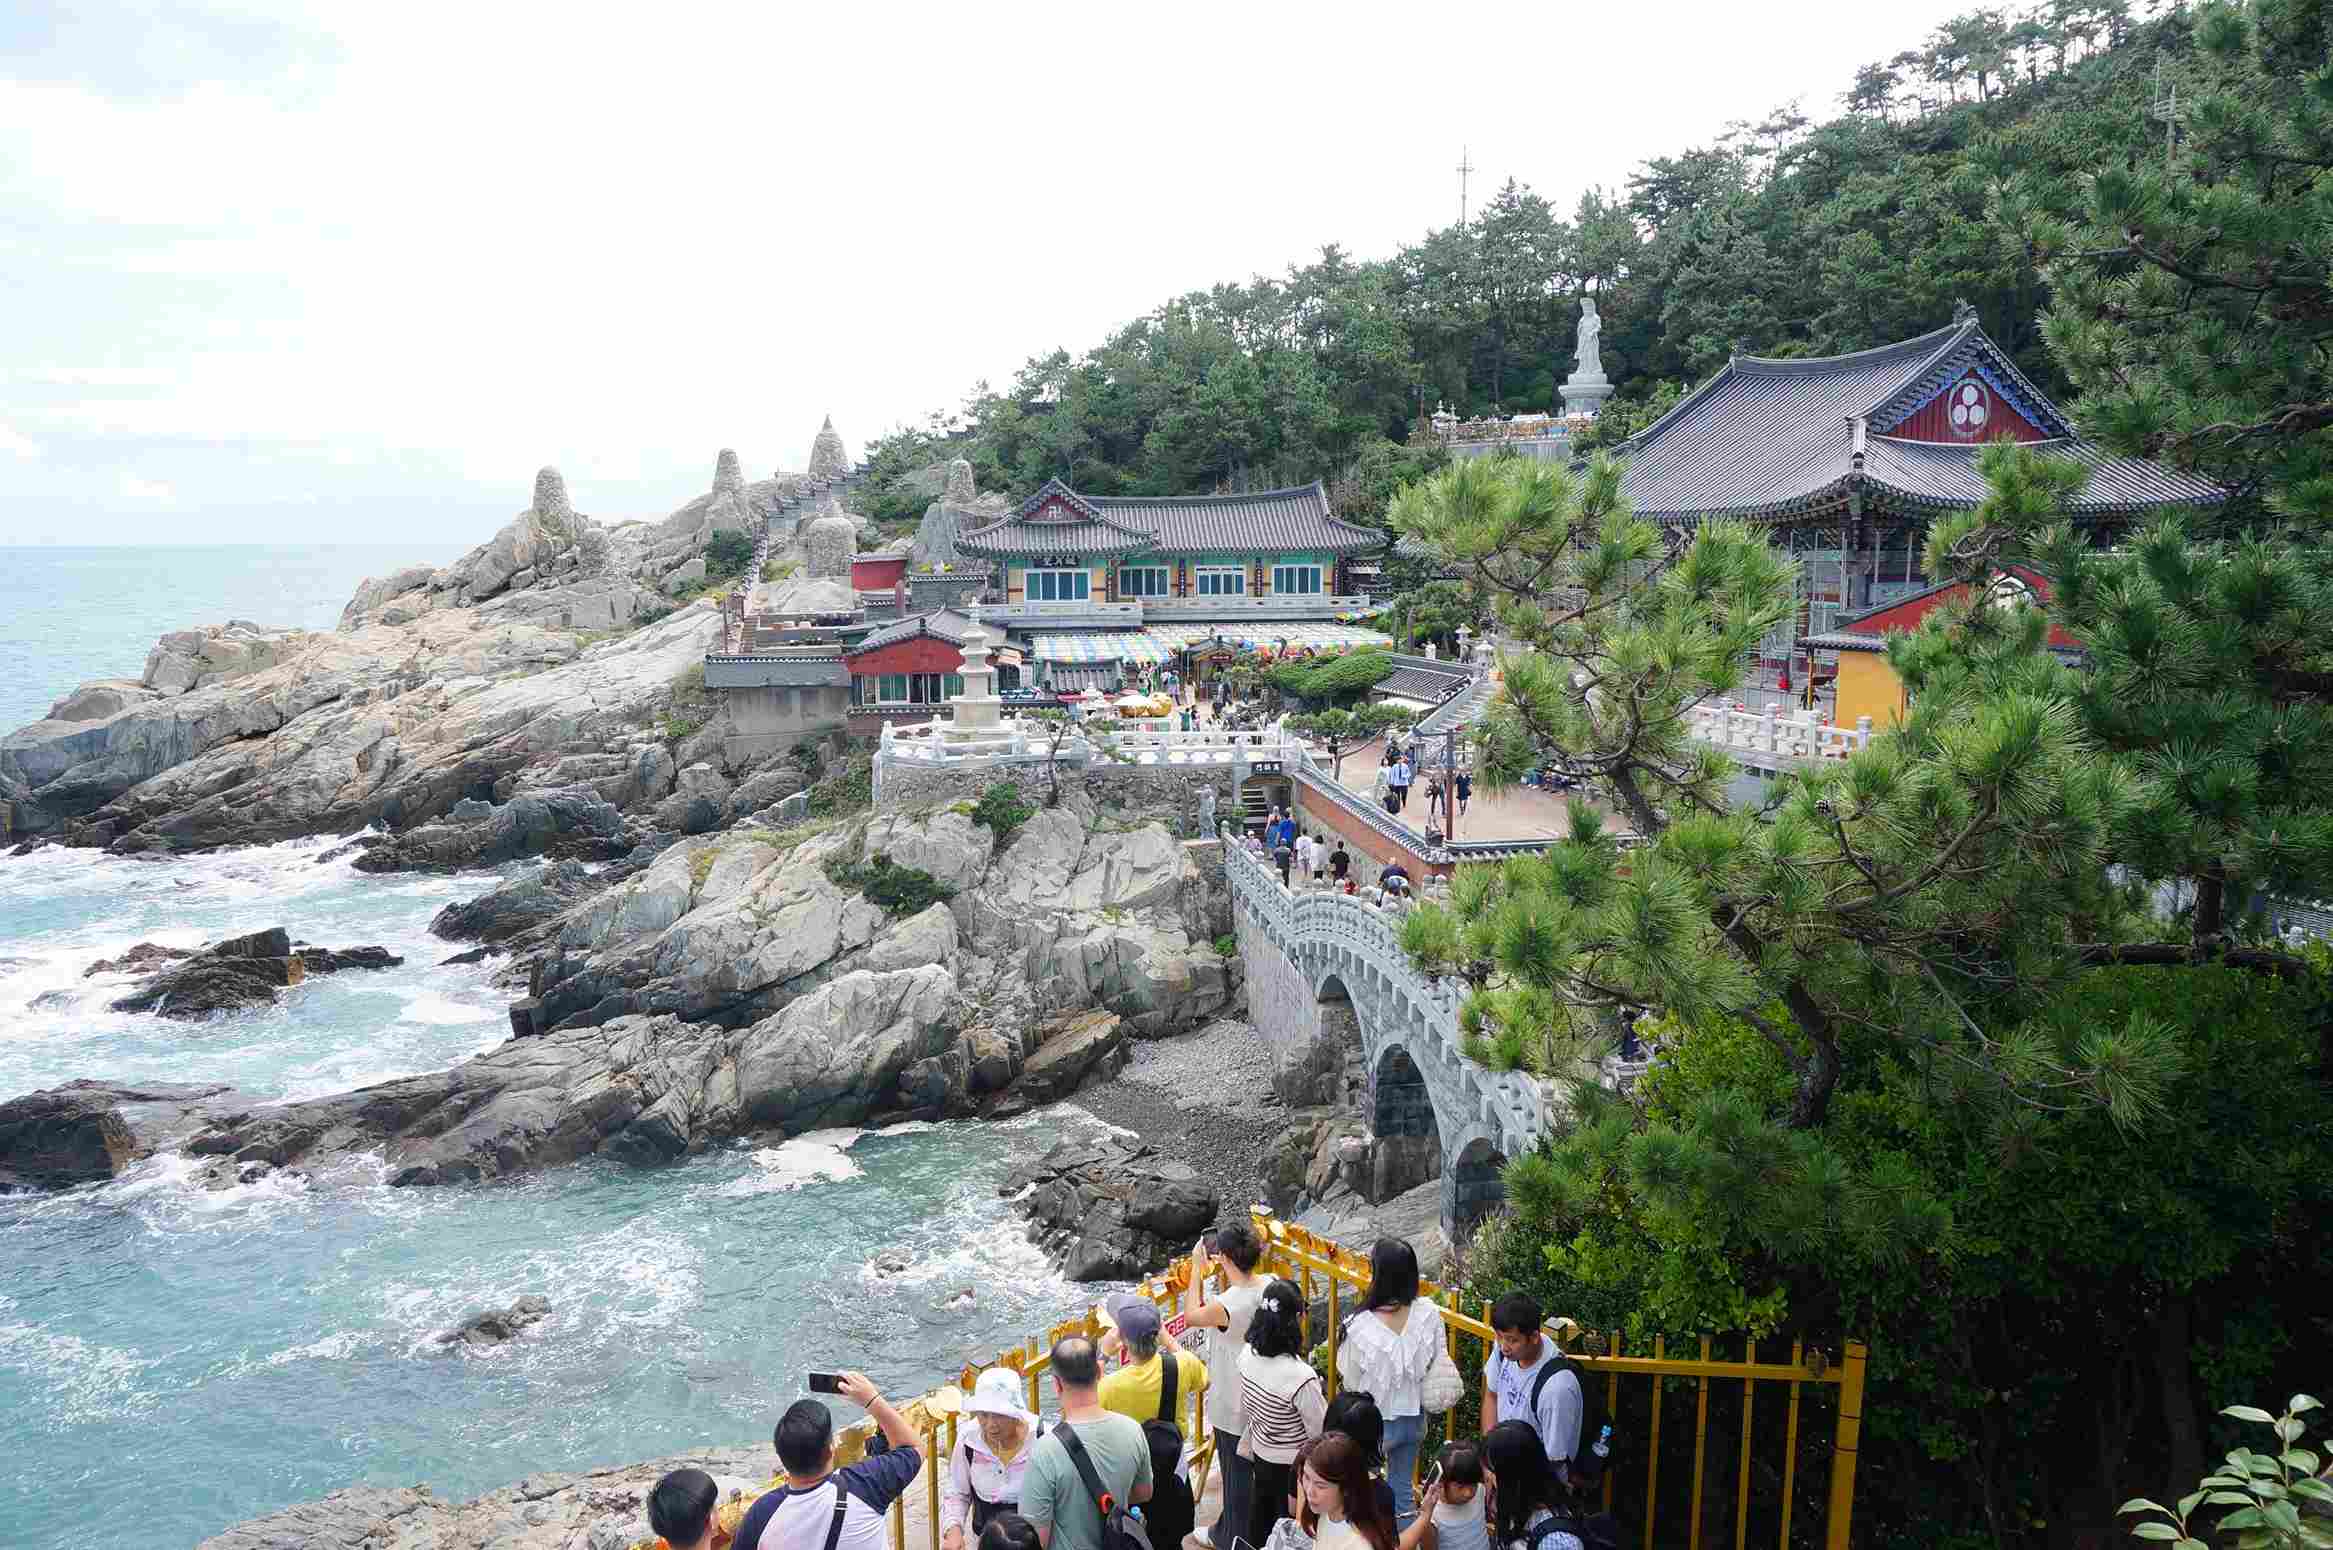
(728, 474)
(96, 701)
(492, 1326)
(756, 792)
(682, 577)
(551, 496)
(550, 823)
(59, 1138)
(828, 459)
(469, 808)
(520, 905)
(1075, 1050)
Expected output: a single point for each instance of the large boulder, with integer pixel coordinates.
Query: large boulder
(57, 1139)
(571, 823)
(98, 700)
(1111, 1210)
(492, 1326)
(1075, 1050)
(238, 972)
(520, 905)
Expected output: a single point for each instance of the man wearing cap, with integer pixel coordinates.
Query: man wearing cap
(989, 1461)
(1135, 1388)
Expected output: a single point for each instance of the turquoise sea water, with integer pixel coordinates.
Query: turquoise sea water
(174, 1359)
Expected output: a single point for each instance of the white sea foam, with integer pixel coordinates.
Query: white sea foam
(79, 1380)
(436, 1011)
(817, 1154)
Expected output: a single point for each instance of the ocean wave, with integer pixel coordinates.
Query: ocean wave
(437, 1011)
(804, 1159)
(77, 1380)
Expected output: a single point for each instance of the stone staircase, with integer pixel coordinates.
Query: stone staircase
(787, 516)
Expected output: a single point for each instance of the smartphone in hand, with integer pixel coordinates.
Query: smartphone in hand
(826, 1383)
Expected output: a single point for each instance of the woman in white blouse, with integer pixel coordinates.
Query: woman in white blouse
(990, 1458)
(1385, 1353)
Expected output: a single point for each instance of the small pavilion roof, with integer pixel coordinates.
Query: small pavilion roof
(1059, 520)
(1771, 436)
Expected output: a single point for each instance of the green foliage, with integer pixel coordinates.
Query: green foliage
(1625, 415)
(1342, 731)
(2267, 1492)
(1326, 681)
(727, 553)
(701, 863)
(900, 890)
(849, 789)
(689, 707)
(779, 570)
(1003, 809)
(1227, 946)
(2031, 1293)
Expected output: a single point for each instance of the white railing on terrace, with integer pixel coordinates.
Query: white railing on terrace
(940, 741)
(1287, 605)
(1351, 925)
(1794, 735)
(1076, 608)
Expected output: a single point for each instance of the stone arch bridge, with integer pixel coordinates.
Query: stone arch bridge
(1326, 972)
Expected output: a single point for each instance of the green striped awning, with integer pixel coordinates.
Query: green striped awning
(1319, 637)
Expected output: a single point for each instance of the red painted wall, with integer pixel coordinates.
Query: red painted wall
(1907, 614)
(878, 573)
(924, 654)
(1968, 413)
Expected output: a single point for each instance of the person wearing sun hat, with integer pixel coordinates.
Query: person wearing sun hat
(991, 1456)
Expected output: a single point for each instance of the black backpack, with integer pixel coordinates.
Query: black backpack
(1121, 1530)
(1596, 1530)
(1161, 1432)
(1585, 1465)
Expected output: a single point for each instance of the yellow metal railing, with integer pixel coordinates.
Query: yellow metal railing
(1322, 1270)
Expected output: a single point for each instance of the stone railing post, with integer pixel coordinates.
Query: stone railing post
(1863, 731)
(1769, 739)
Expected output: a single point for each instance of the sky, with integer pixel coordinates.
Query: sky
(274, 272)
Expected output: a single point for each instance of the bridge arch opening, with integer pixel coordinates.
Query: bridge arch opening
(1405, 1142)
(1478, 1185)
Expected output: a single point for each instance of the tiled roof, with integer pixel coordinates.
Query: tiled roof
(1277, 521)
(1771, 436)
(1422, 683)
(941, 623)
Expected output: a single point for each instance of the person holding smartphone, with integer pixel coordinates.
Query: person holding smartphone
(820, 1507)
(1234, 1253)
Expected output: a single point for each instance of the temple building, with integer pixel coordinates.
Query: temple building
(1848, 457)
(907, 669)
(1094, 586)
(1866, 685)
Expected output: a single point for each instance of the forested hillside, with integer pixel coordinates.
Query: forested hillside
(1787, 236)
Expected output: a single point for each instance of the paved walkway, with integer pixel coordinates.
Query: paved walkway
(1519, 813)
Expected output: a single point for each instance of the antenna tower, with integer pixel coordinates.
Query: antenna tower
(1465, 166)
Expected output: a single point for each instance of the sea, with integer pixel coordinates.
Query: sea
(174, 1359)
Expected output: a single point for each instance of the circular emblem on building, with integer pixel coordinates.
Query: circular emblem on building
(1971, 407)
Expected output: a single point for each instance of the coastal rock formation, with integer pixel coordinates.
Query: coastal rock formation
(241, 971)
(603, 1509)
(492, 1326)
(87, 1132)
(1112, 1210)
(959, 508)
(518, 906)
(380, 724)
(573, 823)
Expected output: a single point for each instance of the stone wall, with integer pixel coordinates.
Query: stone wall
(1371, 850)
(760, 721)
(1308, 1057)
(1144, 793)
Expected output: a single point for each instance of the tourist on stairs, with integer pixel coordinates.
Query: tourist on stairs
(1054, 1495)
(1154, 1390)
(1238, 1250)
(1387, 1348)
(1528, 1381)
(680, 1509)
(823, 1508)
(1281, 1403)
(1526, 1495)
(989, 1461)
(1459, 1521)
(1341, 1509)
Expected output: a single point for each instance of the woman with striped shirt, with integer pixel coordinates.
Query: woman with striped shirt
(1281, 1401)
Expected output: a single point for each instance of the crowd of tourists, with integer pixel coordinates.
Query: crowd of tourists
(1306, 860)
(1112, 1470)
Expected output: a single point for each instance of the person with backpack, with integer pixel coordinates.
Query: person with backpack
(989, 1461)
(1529, 1506)
(1387, 1349)
(1282, 1404)
(1236, 1252)
(1528, 1380)
(1153, 1389)
(820, 1507)
(1087, 1473)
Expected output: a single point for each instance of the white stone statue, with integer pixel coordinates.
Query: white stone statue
(1591, 355)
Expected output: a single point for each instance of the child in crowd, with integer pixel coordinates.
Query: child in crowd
(1010, 1531)
(680, 1509)
(1459, 1523)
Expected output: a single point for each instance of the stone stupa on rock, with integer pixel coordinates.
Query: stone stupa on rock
(728, 473)
(830, 543)
(828, 460)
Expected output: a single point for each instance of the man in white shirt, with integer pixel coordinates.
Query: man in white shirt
(802, 1513)
(1528, 1379)
(1307, 849)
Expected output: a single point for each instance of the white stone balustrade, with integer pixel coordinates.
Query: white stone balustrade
(1776, 735)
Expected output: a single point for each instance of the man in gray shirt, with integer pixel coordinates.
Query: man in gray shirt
(1054, 1497)
(1527, 1379)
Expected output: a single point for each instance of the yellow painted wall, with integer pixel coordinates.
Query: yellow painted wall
(1868, 687)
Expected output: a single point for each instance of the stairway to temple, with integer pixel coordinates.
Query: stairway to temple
(788, 514)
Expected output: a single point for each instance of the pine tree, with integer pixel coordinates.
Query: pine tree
(1931, 890)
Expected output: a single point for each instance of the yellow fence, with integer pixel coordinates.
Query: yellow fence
(1326, 1272)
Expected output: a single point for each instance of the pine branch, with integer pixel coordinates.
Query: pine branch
(2186, 955)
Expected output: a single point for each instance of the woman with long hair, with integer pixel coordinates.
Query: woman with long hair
(1341, 1506)
(1525, 1495)
(1387, 1349)
(1281, 1402)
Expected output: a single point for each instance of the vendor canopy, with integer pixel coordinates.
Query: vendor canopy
(1136, 646)
(1318, 637)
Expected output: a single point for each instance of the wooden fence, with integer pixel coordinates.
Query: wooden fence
(1640, 1394)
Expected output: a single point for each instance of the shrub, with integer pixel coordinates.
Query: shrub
(779, 570)
(727, 553)
(1227, 946)
(1003, 809)
(1332, 680)
(900, 890)
(850, 789)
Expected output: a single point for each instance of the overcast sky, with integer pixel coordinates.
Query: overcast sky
(284, 272)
